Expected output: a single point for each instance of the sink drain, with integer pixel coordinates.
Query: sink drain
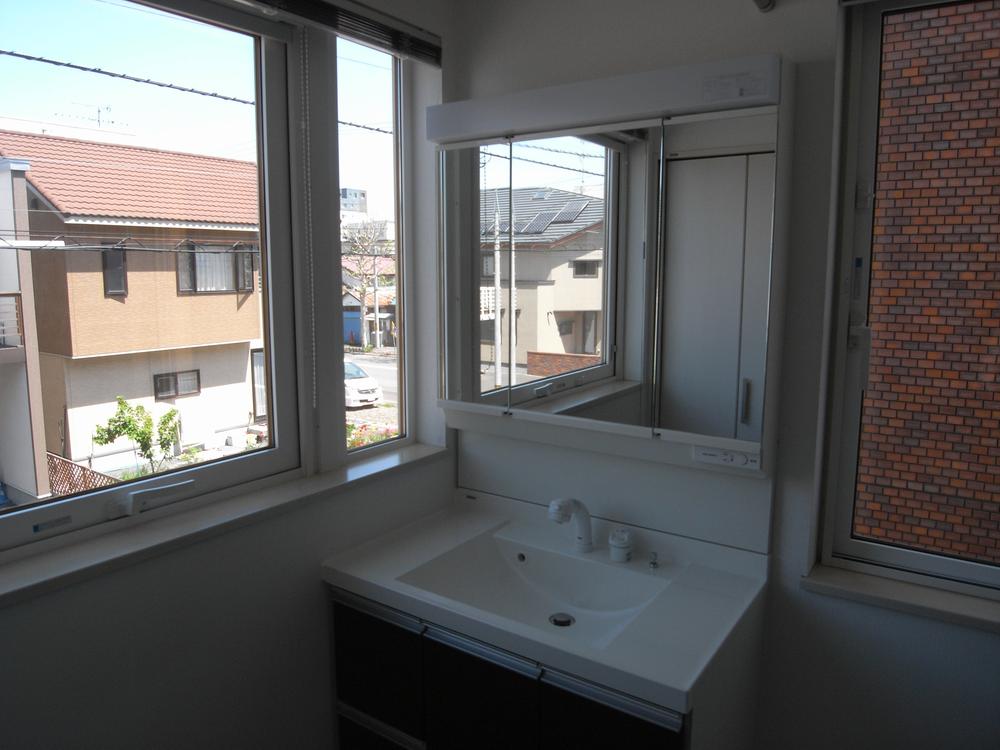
(562, 620)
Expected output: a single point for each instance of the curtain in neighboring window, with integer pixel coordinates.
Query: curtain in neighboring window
(259, 384)
(214, 272)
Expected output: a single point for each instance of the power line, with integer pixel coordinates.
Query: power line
(547, 164)
(124, 76)
(364, 127)
(560, 151)
(162, 84)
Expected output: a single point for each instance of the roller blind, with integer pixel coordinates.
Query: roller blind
(366, 25)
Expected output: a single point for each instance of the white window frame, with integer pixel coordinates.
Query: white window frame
(849, 339)
(615, 197)
(296, 70)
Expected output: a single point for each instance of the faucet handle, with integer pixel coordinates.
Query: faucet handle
(653, 562)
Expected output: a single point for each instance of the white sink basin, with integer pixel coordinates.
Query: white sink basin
(498, 573)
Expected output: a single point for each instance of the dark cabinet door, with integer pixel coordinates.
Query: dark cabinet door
(570, 721)
(472, 703)
(378, 668)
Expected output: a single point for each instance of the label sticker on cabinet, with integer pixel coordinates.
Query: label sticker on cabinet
(720, 457)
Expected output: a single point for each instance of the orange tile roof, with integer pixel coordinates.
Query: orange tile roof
(85, 178)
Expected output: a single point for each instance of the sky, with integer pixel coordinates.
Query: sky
(123, 37)
(128, 38)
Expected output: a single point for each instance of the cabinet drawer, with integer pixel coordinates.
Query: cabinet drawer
(378, 668)
(475, 703)
(569, 720)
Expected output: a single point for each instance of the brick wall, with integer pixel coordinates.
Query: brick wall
(548, 363)
(929, 463)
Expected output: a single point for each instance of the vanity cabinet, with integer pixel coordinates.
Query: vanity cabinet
(404, 683)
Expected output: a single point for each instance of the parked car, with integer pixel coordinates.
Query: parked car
(360, 389)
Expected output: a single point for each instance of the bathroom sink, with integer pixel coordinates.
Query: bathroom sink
(582, 597)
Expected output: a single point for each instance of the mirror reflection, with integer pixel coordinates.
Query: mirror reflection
(586, 279)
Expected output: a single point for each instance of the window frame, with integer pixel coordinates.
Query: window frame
(849, 342)
(616, 202)
(105, 254)
(237, 258)
(63, 520)
(175, 379)
(295, 67)
(576, 269)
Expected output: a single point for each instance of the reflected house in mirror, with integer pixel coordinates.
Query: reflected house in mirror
(148, 289)
(559, 241)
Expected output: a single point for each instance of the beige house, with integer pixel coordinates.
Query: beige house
(145, 287)
(559, 244)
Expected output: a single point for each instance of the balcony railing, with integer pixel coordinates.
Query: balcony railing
(11, 324)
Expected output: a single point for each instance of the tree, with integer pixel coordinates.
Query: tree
(135, 423)
(362, 245)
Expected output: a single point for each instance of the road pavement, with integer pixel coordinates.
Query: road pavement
(382, 368)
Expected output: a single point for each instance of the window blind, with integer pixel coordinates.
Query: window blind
(366, 25)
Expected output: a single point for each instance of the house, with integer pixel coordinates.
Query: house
(214, 631)
(560, 265)
(149, 291)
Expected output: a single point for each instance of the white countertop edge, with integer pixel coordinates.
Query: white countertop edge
(55, 567)
(902, 596)
(480, 628)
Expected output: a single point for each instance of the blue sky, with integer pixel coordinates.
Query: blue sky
(122, 37)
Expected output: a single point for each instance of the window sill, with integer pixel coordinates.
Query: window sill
(76, 560)
(912, 598)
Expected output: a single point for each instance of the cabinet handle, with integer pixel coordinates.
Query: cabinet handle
(745, 401)
(640, 709)
(493, 655)
(380, 611)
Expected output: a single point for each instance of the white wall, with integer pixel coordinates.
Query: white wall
(224, 406)
(837, 674)
(17, 457)
(221, 644)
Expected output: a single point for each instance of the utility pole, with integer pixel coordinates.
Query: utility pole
(497, 337)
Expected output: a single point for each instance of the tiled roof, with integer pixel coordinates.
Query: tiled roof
(85, 178)
(542, 215)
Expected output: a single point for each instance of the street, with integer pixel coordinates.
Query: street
(383, 369)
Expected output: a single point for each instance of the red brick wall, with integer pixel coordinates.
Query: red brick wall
(548, 363)
(929, 463)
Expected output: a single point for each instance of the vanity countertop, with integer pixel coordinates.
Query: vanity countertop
(658, 656)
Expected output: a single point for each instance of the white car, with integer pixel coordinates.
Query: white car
(360, 389)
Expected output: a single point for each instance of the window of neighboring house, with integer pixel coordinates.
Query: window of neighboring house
(115, 276)
(172, 384)
(487, 265)
(244, 272)
(585, 269)
(913, 487)
(258, 374)
(216, 270)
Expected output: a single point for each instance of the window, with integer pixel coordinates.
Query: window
(538, 217)
(173, 384)
(203, 269)
(114, 403)
(259, 377)
(214, 295)
(913, 488)
(371, 258)
(115, 277)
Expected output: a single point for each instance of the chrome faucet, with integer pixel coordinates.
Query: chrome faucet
(563, 509)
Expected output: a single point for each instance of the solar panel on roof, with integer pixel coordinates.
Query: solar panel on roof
(540, 222)
(520, 225)
(570, 211)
